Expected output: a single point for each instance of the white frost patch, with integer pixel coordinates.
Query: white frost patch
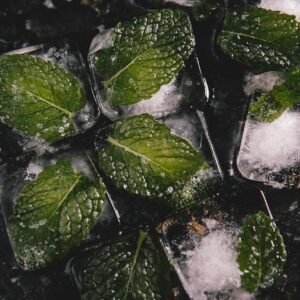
(49, 4)
(211, 266)
(167, 99)
(33, 170)
(82, 165)
(102, 40)
(186, 125)
(290, 7)
(273, 145)
(187, 3)
(262, 82)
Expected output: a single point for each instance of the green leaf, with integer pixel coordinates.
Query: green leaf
(144, 158)
(261, 252)
(132, 266)
(37, 97)
(146, 53)
(271, 105)
(260, 39)
(53, 214)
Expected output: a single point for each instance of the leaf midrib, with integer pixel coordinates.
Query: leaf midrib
(64, 197)
(125, 148)
(117, 74)
(65, 111)
(248, 36)
(141, 238)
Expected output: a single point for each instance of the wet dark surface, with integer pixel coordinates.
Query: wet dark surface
(29, 22)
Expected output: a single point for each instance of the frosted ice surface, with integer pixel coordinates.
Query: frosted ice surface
(49, 4)
(291, 7)
(82, 164)
(184, 2)
(103, 40)
(33, 170)
(211, 266)
(273, 145)
(186, 125)
(262, 82)
(168, 99)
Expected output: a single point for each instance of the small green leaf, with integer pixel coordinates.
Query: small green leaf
(260, 39)
(144, 158)
(38, 97)
(146, 53)
(271, 105)
(261, 252)
(130, 267)
(53, 214)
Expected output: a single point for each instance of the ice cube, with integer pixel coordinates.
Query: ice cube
(210, 266)
(270, 148)
(70, 59)
(181, 92)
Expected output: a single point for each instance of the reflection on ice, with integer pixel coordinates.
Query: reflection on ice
(270, 147)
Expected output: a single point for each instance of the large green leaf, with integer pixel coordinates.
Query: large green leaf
(130, 267)
(261, 252)
(54, 214)
(37, 97)
(143, 157)
(272, 104)
(260, 39)
(146, 53)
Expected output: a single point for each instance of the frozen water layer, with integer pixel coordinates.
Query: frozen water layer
(274, 146)
(290, 7)
(211, 266)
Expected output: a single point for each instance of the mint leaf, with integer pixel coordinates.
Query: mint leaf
(144, 158)
(38, 97)
(261, 252)
(132, 266)
(260, 39)
(53, 214)
(146, 53)
(272, 104)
